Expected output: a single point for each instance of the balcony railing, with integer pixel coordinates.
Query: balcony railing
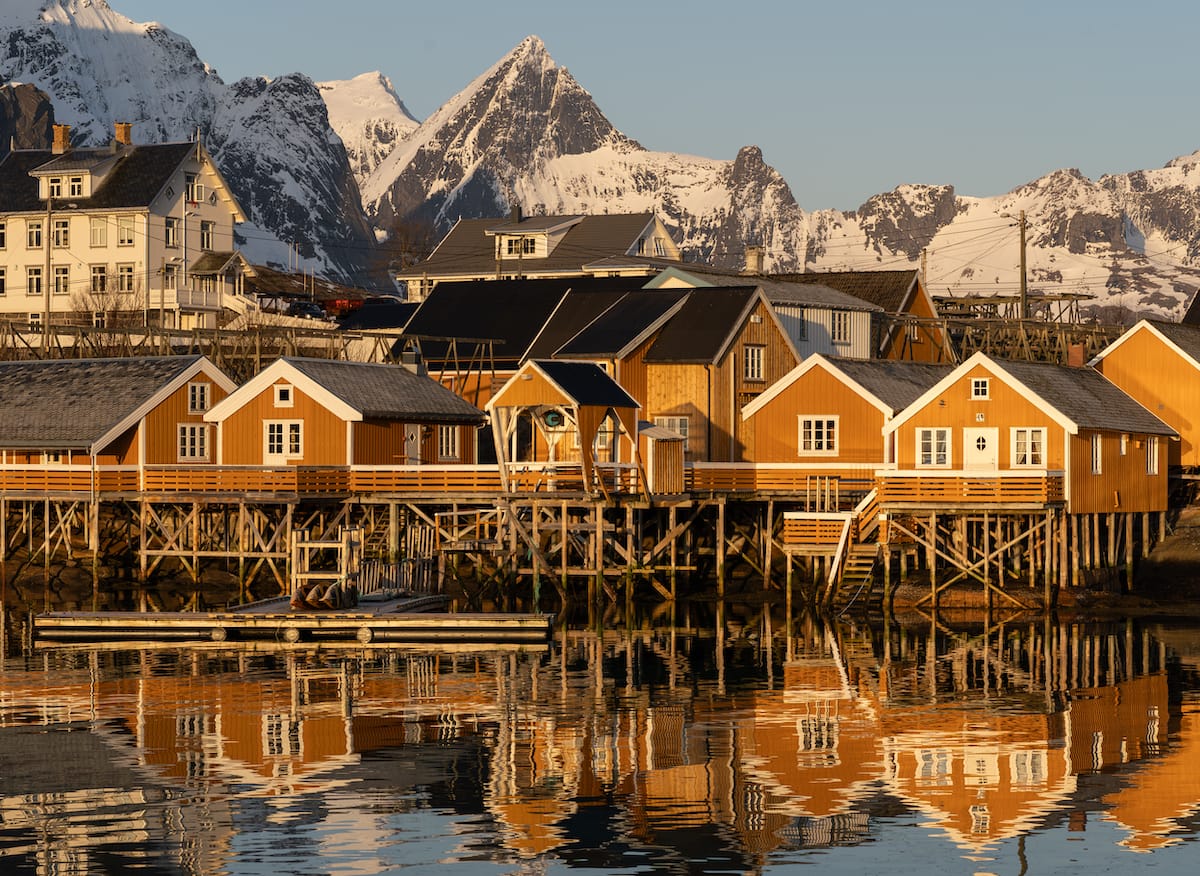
(852, 480)
(931, 487)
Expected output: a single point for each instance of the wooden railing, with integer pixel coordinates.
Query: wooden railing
(244, 479)
(928, 487)
(68, 479)
(425, 479)
(540, 477)
(777, 477)
(810, 528)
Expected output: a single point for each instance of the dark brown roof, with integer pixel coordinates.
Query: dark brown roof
(271, 283)
(139, 176)
(702, 328)
(586, 383)
(468, 250)
(886, 289)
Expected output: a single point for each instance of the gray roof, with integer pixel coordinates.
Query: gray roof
(895, 383)
(587, 383)
(388, 392)
(1085, 396)
(785, 290)
(1186, 337)
(72, 403)
(888, 290)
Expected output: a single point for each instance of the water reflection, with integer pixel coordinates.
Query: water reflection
(733, 742)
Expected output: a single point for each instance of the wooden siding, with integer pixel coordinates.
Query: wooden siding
(774, 434)
(324, 434)
(1138, 365)
(1123, 484)
(161, 424)
(811, 330)
(924, 345)
(537, 390)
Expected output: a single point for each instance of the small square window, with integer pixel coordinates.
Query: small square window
(199, 397)
(980, 387)
(283, 395)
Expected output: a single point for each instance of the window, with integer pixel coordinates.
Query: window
(75, 187)
(1028, 447)
(99, 320)
(447, 442)
(660, 248)
(3, 234)
(35, 321)
(933, 448)
(193, 442)
(678, 425)
(33, 233)
(980, 387)
(283, 395)
(818, 435)
(207, 230)
(124, 278)
(170, 277)
(54, 187)
(752, 359)
(1152, 454)
(284, 439)
(33, 281)
(801, 324)
(199, 395)
(521, 245)
(3, 283)
(1097, 454)
(171, 231)
(1124, 444)
(55, 457)
(194, 188)
(62, 233)
(99, 278)
(98, 231)
(124, 231)
(839, 327)
(62, 279)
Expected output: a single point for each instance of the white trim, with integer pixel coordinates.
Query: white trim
(283, 395)
(1150, 327)
(205, 431)
(281, 458)
(949, 463)
(813, 361)
(836, 435)
(1012, 446)
(280, 369)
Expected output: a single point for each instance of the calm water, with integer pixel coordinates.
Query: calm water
(1025, 747)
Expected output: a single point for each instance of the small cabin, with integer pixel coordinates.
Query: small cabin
(1027, 435)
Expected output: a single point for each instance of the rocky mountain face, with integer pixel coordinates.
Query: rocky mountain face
(370, 118)
(26, 118)
(271, 139)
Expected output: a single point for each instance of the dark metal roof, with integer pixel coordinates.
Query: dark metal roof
(586, 383)
(779, 290)
(616, 328)
(704, 325)
(887, 289)
(468, 250)
(378, 314)
(388, 392)
(577, 309)
(1084, 396)
(139, 176)
(73, 403)
(895, 383)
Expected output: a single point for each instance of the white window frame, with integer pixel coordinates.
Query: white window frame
(61, 233)
(678, 424)
(3, 281)
(125, 278)
(3, 234)
(171, 232)
(1151, 455)
(54, 187)
(33, 233)
(62, 279)
(56, 457)
(199, 396)
(981, 388)
(34, 277)
(448, 443)
(819, 433)
(1124, 443)
(520, 246)
(754, 358)
(75, 187)
(35, 321)
(170, 277)
(208, 233)
(99, 278)
(1024, 435)
(945, 434)
(126, 230)
(839, 327)
(193, 188)
(285, 395)
(192, 443)
(290, 440)
(1097, 453)
(99, 319)
(98, 231)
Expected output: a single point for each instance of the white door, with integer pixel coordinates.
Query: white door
(981, 448)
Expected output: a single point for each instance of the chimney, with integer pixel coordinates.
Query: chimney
(123, 133)
(410, 360)
(62, 139)
(515, 213)
(755, 254)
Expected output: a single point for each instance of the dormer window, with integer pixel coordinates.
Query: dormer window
(521, 245)
(75, 187)
(54, 187)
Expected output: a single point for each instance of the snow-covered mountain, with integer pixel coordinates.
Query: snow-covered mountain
(271, 139)
(370, 118)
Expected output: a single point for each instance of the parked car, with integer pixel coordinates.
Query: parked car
(306, 310)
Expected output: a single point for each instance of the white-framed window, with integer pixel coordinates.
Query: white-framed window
(62, 233)
(1029, 448)
(55, 457)
(99, 275)
(678, 425)
(193, 442)
(194, 188)
(520, 246)
(171, 231)
(933, 448)
(33, 233)
(99, 319)
(3, 234)
(660, 248)
(1151, 454)
(752, 362)
(839, 327)
(199, 397)
(62, 279)
(35, 321)
(170, 277)
(125, 226)
(207, 233)
(283, 439)
(75, 187)
(1124, 443)
(284, 395)
(98, 231)
(1097, 454)
(981, 388)
(801, 324)
(33, 280)
(124, 278)
(818, 436)
(447, 438)
(54, 187)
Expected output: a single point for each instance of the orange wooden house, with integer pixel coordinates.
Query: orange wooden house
(1027, 435)
(105, 425)
(1158, 363)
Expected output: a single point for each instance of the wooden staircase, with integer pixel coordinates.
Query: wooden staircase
(857, 573)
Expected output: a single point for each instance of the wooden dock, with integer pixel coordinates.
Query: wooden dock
(399, 620)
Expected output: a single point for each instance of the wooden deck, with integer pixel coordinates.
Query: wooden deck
(959, 489)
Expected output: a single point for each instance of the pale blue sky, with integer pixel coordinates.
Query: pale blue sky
(846, 99)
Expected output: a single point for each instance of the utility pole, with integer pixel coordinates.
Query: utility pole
(47, 279)
(1024, 289)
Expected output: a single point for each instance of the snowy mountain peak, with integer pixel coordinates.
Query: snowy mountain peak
(370, 118)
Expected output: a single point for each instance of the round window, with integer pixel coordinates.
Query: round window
(981, 443)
